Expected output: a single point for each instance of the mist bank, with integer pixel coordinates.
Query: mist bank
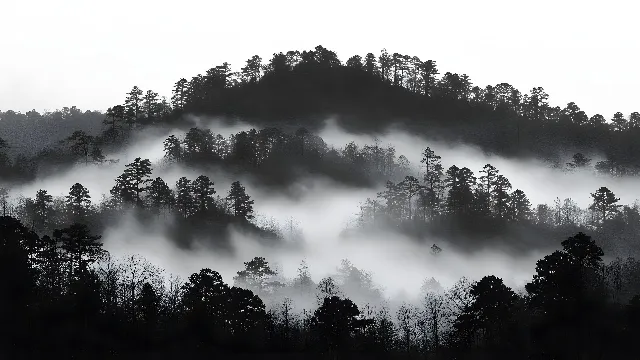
(365, 94)
(310, 212)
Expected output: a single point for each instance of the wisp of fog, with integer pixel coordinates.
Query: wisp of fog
(323, 211)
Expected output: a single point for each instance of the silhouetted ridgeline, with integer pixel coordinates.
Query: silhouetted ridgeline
(368, 94)
(63, 294)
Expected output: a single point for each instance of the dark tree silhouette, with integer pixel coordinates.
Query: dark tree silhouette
(132, 182)
(605, 203)
(336, 322)
(82, 248)
(173, 148)
(490, 311)
(160, 195)
(63, 295)
(81, 144)
(255, 276)
(240, 203)
(203, 191)
(185, 202)
(78, 202)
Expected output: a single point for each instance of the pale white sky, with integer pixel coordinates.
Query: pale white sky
(90, 53)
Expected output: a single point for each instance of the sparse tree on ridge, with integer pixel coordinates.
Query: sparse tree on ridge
(133, 105)
(253, 69)
(151, 104)
(179, 97)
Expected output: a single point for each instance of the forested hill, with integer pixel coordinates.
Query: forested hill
(367, 94)
(64, 292)
(31, 132)
(372, 92)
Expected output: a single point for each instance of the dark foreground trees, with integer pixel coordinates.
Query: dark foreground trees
(62, 294)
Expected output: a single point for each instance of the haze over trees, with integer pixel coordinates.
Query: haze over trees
(66, 294)
(294, 87)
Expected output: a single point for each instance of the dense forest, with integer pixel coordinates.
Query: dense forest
(367, 94)
(68, 295)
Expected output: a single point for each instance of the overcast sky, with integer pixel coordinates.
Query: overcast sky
(90, 53)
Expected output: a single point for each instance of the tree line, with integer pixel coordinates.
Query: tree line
(77, 299)
(458, 191)
(294, 87)
(270, 153)
(193, 200)
(69, 297)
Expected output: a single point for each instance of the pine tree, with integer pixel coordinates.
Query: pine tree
(172, 148)
(151, 105)
(185, 203)
(252, 70)
(96, 155)
(133, 106)
(433, 179)
(78, 201)
(500, 195)
(395, 200)
(370, 64)
(485, 187)
(203, 191)
(303, 281)
(240, 203)
(81, 248)
(605, 203)
(179, 97)
(115, 116)
(411, 187)
(428, 71)
(132, 182)
(49, 260)
(519, 206)
(255, 276)
(42, 209)
(460, 183)
(81, 144)
(159, 194)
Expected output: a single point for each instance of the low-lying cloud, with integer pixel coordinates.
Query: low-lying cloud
(323, 209)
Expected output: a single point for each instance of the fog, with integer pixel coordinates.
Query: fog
(323, 210)
(542, 183)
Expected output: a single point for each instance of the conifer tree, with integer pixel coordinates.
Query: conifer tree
(185, 203)
(78, 201)
(605, 203)
(240, 203)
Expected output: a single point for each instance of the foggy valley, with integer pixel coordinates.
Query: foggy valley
(303, 205)
(321, 210)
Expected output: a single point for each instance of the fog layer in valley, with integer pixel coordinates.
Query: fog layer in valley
(323, 209)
